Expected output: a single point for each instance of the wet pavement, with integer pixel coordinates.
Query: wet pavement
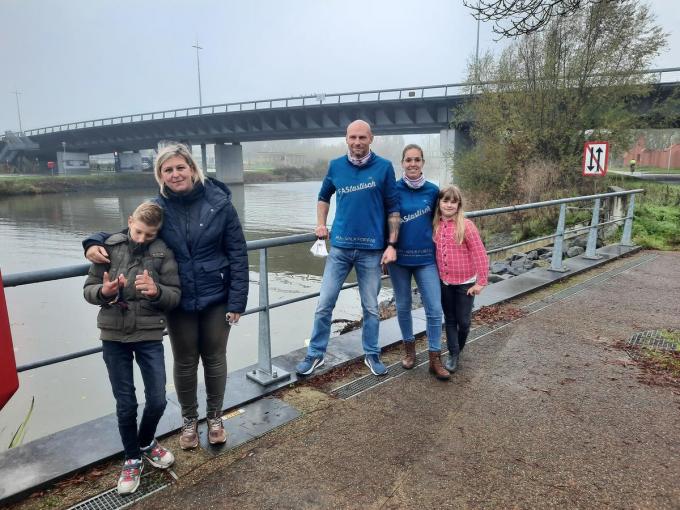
(545, 412)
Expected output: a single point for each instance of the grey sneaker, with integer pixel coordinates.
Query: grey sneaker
(216, 432)
(129, 476)
(189, 437)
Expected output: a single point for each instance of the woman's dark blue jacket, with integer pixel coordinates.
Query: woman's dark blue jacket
(203, 230)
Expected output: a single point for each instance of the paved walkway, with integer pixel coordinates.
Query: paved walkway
(545, 412)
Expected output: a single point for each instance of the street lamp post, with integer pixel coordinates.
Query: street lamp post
(17, 94)
(198, 68)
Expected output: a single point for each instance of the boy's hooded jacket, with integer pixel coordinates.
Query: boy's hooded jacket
(140, 318)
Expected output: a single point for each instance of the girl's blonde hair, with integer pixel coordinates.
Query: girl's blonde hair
(171, 151)
(453, 194)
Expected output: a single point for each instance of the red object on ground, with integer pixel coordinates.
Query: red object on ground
(9, 380)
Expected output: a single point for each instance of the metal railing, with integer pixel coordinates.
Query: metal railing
(265, 373)
(418, 92)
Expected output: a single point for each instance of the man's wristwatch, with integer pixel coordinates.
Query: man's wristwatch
(392, 244)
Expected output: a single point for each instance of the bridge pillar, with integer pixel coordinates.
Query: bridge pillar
(451, 143)
(204, 160)
(229, 163)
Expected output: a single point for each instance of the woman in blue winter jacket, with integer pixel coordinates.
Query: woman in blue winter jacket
(203, 230)
(416, 259)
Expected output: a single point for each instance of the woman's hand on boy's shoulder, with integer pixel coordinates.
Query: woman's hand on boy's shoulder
(97, 255)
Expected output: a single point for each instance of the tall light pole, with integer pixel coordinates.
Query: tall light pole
(198, 68)
(17, 94)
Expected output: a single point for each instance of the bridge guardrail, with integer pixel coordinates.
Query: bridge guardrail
(265, 373)
(419, 92)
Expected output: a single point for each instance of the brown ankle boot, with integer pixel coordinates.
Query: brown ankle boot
(410, 356)
(436, 367)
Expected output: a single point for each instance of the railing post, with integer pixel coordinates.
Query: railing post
(265, 373)
(592, 233)
(556, 264)
(626, 238)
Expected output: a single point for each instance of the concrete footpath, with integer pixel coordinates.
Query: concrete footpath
(545, 413)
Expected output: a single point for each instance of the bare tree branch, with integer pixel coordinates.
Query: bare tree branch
(512, 18)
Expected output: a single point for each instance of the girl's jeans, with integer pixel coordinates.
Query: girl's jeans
(427, 279)
(457, 306)
(118, 357)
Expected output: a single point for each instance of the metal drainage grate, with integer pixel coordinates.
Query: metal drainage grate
(362, 384)
(655, 338)
(111, 500)
(369, 381)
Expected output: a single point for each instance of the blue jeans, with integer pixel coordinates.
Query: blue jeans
(457, 306)
(118, 357)
(427, 280)
(340, 261)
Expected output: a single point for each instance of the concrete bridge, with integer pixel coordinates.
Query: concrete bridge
(410, 110)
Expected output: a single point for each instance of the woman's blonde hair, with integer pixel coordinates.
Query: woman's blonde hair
(452, 194)
(171, 151)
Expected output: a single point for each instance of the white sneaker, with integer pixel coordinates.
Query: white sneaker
(158, 456)
(129, 476)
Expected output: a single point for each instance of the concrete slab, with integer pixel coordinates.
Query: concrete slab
(56, 456)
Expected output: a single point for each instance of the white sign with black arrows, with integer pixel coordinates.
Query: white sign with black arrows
(595, 158)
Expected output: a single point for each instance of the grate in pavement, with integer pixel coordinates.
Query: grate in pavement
(111, 500)
(362, 384)
(370, 381)
(656, 338)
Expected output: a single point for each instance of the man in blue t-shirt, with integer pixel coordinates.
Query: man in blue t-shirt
(366, 200)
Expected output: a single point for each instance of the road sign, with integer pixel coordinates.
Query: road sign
(50, 165)
(595, 158)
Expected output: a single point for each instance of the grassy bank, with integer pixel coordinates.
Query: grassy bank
(13, 185)
(657, 212)
(288, 174)
(36, 184)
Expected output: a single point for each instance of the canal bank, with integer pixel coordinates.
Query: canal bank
(344, 351)
(18, 185)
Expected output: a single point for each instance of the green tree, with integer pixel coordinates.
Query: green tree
(548, 92)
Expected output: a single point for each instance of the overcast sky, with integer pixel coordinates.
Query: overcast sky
(76, 60)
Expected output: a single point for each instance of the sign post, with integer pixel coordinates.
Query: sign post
(595, 158)
(50, 165)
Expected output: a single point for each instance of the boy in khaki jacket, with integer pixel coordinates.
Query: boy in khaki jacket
(134, 291)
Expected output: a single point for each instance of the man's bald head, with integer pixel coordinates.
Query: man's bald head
(359, 138)
(360, 124)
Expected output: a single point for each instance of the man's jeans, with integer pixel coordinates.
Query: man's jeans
(457, 306)
(118, 357)
(427, 279)
(340, 261)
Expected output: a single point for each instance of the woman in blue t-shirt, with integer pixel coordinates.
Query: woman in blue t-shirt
(416, 258)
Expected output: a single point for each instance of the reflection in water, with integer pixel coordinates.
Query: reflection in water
(52, 318)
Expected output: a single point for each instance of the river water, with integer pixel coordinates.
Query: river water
(52, 318)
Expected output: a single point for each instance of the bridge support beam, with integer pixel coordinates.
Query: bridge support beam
(229, 163)
(451, 143)
(204, 159)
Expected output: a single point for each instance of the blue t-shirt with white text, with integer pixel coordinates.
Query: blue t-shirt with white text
(416, 247)
(364, 197)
